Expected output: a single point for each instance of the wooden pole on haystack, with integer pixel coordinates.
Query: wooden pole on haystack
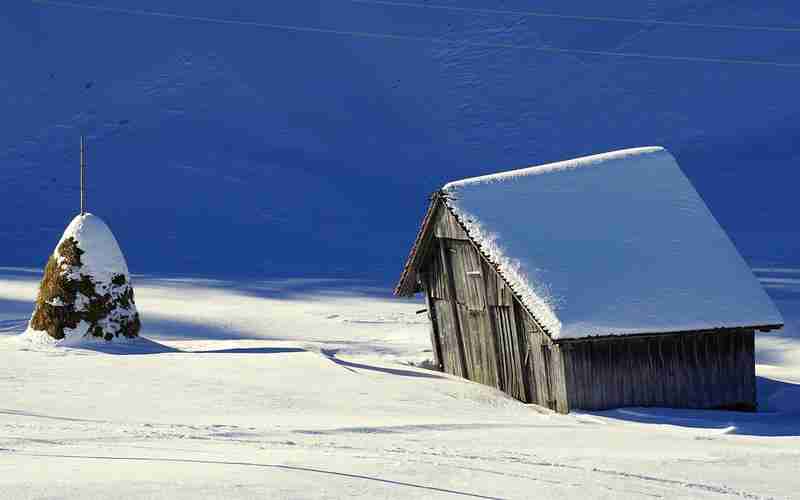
(83, 177)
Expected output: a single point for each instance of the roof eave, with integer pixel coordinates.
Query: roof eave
(408, 285)
(589, 338)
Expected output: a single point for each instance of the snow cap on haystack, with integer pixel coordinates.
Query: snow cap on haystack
(86, 290)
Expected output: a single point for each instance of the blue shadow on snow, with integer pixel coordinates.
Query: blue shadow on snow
(778, 414)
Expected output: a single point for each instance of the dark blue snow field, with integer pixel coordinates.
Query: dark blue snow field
(303, 138)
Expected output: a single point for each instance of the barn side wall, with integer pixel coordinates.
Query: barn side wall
(689, 370)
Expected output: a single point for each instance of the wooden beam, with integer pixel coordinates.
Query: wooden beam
(600, 338)
(436, 342)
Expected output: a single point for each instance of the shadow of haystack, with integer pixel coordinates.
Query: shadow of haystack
(137, 346)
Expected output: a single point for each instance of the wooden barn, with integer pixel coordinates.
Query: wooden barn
(589, 284)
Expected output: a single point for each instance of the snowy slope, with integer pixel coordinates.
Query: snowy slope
(618, 243)
(292, 389)
(220, 146)
(270, 134)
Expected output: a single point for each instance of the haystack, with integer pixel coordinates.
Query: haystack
(86, 290)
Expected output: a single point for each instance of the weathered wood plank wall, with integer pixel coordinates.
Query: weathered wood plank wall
(688, 370)
(479, 337)
(512, 343)
(436, 344)
(446, 226)
(484, 334)
(545, 366)
(441, 311)
(480, 331)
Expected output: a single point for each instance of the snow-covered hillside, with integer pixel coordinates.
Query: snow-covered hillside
(265, 165)
(293, 127)
(302, 389)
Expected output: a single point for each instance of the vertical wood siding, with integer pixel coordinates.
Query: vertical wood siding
(439, 286)
(448, 337)
(481, 332)
(477, 330)
(446, 226)
(545, 366)
(484, 334)
(436, 345)
(512, 353)
(690, 370)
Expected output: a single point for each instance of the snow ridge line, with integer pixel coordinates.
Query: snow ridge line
(557, 166)
(577, 17)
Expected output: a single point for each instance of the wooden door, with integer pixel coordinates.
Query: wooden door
(548, 398)
(539, 365)
(444, 314)
(469, 297)
(511, 370)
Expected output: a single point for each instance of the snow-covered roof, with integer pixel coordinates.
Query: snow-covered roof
(612, 244)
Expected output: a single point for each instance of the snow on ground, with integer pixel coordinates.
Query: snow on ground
(302, 389)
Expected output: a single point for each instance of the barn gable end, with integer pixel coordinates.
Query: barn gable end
(480, 331)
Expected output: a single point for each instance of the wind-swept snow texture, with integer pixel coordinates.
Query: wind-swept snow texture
(612, 244)
(314, 400)
(285, 142)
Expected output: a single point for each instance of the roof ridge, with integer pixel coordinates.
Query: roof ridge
(544, 168)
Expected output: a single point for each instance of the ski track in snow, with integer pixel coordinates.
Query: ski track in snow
(248, 436)
(233, 434)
